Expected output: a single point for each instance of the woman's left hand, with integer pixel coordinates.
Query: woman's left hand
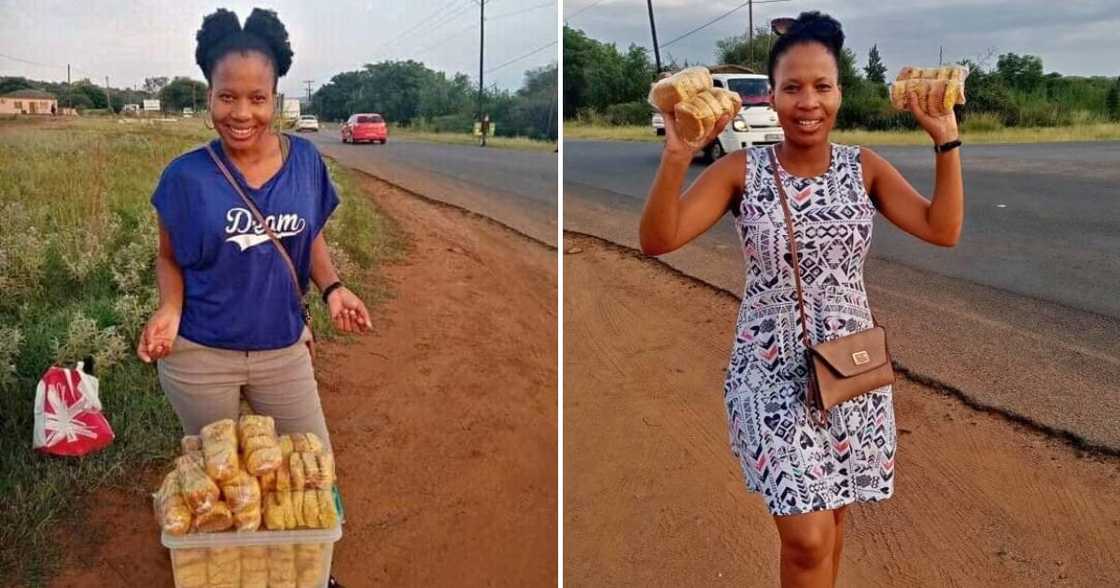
(348, 313)
(941, 129)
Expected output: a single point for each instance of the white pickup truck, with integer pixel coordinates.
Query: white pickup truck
(756, 123)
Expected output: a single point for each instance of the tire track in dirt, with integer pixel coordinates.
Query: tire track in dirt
(654, 497)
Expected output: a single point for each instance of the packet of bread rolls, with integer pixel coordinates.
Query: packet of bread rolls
(198, 490)
(219, 449)
(172, 512)
(938, 89)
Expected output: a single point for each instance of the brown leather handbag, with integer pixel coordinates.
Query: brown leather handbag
(845, 367)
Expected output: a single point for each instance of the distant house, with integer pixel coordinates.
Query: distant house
(28, 102)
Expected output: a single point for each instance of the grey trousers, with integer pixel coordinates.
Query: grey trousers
(205, 384)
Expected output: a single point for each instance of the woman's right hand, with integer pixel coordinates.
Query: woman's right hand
(159, 334)
(676, 147)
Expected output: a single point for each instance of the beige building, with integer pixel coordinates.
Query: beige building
(28, 102)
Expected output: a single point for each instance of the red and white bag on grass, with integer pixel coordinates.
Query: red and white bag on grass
(68, 419)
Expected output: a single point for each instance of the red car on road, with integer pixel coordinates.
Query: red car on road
(365, 127)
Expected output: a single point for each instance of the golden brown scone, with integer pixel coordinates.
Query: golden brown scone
(328, 516)
(713, 103)
(268, 481)
(254, 566)
(311, 508)
(285, 446)
(325, 478)
(189, 567)
(274, 519)
(694, 120)
(172, 512)
(296, 471)
(310, 470)
(218, 519)
(251, 444)
(219, 449)
(288, 508)
(309, 565)
(247, 520)
(681, 86)
(284, 476)
(241, 492)
(263, 460)
(254, 425)
(224, 569)
(297, 508)
(730, 102)
(198, 490)
(282, 566)
(937, 105)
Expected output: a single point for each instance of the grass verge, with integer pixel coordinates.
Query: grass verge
(76, 259)
(1088, 132)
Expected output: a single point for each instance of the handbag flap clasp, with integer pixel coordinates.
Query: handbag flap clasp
(854, 354)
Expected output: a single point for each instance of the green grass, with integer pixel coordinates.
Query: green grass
(75, 199)
(980, 135)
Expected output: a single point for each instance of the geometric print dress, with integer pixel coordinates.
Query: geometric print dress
(797, 465)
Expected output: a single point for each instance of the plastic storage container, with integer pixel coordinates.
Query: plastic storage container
(260, 559)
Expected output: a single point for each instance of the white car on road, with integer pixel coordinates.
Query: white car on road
(756, 123)
(307, 122)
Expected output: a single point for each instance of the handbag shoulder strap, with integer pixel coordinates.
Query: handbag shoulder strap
(259, 218)
(794, 261)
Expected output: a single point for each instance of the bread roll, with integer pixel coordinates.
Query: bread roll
(666, 93)
(282, 566)
(328, 515)
(297, 508)
(296, 471)
(274, 517)
(172, 512)
(197, 489)
(938, 88)
(189, 567)
(254, 566)
(219, 448)
(224, 569)
(218, 519)
(695, 119)
(311, 508)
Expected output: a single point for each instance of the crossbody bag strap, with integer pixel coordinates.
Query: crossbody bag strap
(792, 247)
(259, 218)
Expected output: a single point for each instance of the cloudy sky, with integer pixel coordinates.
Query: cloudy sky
(1073, 37)
(134, 39)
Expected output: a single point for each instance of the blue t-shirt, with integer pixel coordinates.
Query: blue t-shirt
(238, 292)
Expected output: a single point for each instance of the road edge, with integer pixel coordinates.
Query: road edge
(1071, 438)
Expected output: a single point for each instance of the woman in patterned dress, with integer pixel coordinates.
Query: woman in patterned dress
(807, 473)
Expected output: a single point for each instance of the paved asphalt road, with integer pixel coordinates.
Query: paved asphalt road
(514, 187)
(1023, 315)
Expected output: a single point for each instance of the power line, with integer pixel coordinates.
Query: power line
(719, 18)
(440, 13)
(516, 59)
(583, 10)
(522, 11)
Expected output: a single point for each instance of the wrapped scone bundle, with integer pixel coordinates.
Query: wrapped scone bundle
(695, 104)
(938, 89)
(666, 93)
(219, 449)
(309, 565)
(259, 446)
(254, 566)
(218, 519)
(243, 495)
(198, 490)
(224, 567)
(190, 568)
(172, 512)
(312, 509)
(282, 566)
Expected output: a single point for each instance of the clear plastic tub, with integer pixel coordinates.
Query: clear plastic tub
(260, 559)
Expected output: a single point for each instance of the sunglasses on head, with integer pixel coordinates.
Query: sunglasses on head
(781, 26)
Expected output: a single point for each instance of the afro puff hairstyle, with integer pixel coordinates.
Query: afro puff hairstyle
(263, 32)
(810, 27)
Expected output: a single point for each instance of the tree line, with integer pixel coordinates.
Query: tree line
(605, 84)
(411, 94)
(405, 92)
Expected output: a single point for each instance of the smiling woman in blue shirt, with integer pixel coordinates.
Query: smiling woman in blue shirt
(230, 321)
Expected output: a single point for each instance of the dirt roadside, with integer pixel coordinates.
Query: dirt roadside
(443, 421)
(653, 496)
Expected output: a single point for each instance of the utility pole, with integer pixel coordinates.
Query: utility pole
(308, 82)
(653, 30)
(750, 33)
(108, 102)
(481, 44)
(69, 100)
(940, 54)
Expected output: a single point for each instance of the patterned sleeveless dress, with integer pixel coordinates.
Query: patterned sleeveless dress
(795, 464)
